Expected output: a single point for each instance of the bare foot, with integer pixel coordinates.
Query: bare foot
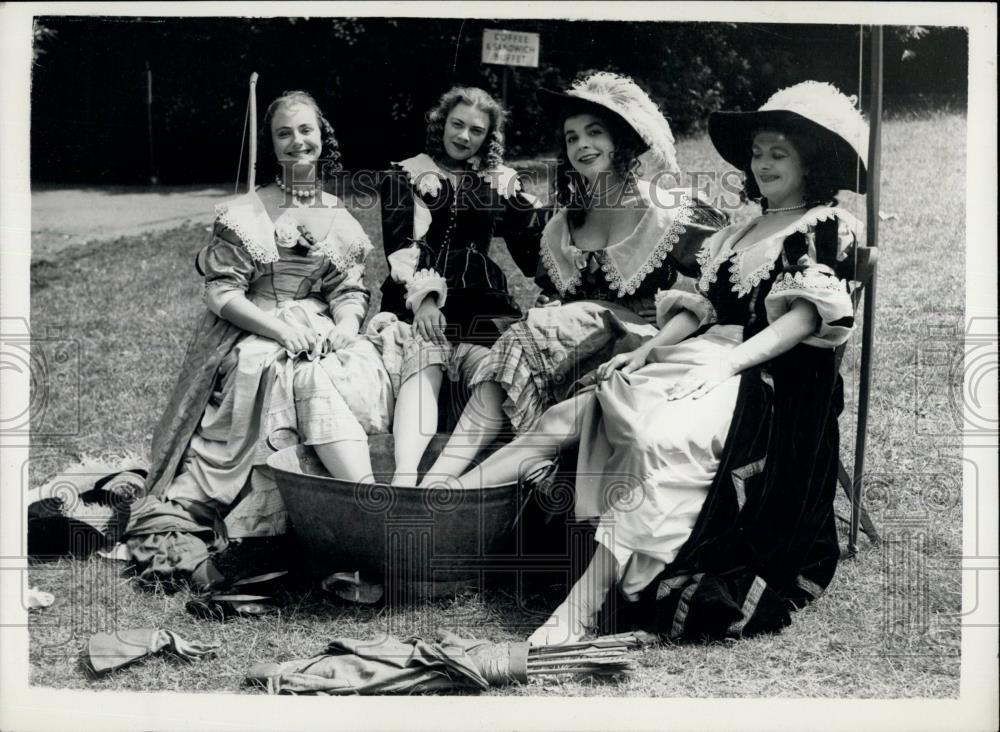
(566, 625)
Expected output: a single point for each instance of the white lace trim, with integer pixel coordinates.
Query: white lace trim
(611, 271)
(708, 265)
(346, 256)
(251, 227)
(265, 252)
(810, 279)
(753, 265)
(424, 282)
(669, 301)
(426, 175)
(502, 179)
(656, 256)
(552, 267)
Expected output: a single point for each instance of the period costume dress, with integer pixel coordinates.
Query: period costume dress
(606, 300)
(727, 500)
(437, 234)
(240, 396)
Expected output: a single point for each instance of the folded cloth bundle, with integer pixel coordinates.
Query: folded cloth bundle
(109, 651)
(390, 666)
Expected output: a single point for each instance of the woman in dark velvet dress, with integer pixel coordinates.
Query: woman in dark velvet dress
(440, 212)
(709, 458)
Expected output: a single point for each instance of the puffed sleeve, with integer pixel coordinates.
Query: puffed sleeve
(700, 221)
(808, 262)
(694, 253)
(343, 285)
(683, 296)
(228, 267)
(405, 221)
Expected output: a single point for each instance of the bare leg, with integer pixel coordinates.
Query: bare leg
(415, 421)
(578, 612)
(558, 428)
(478, 426)
(346, 459)
(344, 454)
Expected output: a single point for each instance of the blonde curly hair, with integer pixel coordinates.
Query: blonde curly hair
(479, 99)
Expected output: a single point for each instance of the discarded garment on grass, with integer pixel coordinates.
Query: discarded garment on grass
(106, 652)
(381, 666)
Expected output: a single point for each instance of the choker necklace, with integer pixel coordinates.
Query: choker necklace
(306, 194)
(786, 208)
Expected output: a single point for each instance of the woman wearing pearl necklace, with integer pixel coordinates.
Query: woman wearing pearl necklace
(277, 357)
(708, 458)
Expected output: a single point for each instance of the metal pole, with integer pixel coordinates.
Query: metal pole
(153, 180)
(252, 161)
(868, 332)
(506, 75)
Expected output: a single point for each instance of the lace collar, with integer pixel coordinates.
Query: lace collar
(625, 263)
(248, 219)
(754, 264)
(426, 175)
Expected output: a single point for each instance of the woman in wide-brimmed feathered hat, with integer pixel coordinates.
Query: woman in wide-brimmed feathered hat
(613, 243)
(709, 457)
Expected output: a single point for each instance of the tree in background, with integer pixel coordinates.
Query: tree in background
(376, 77)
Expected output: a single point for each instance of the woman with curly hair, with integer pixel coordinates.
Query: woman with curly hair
(277, 356)
(613, 243)
(708, 458)
(440, 211)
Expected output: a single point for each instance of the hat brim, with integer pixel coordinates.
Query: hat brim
(560, 106)
(732, 135)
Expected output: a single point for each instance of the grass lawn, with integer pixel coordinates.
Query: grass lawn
(888, 626)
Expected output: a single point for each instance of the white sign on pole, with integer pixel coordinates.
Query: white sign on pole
(510, 48)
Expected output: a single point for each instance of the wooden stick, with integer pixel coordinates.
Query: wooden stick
(252, 167)
(578, 670)
(601, 653)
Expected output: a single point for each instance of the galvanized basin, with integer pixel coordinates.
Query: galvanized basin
(410, 536)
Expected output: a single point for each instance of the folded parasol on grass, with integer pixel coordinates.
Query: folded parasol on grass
(109, 651)
(389, 666)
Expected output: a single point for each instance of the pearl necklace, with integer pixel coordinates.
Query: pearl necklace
(783, 210)
(306, 194)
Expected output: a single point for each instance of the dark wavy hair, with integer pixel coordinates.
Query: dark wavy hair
(819, 184)
(570, 186)
(329, 160)
(479, 99)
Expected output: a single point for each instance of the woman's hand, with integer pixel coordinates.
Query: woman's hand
(544, 301)
(296, 338)
(702, 378)
(340, 336)
(624, 362)
(430, 322)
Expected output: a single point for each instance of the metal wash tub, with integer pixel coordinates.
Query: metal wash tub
(429, 540)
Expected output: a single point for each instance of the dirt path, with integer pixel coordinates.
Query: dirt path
(63, 217)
